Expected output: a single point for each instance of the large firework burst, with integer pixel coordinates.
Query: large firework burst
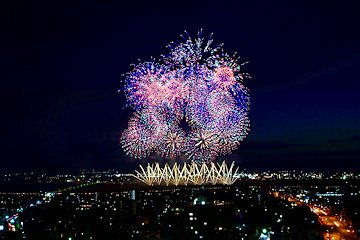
(195, 82)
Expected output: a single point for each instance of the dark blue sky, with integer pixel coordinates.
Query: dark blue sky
(62, 65)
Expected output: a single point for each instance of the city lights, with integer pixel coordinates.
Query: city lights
(279, 207)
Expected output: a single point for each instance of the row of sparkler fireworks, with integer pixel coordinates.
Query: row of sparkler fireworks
(196, 174)
(196, 83)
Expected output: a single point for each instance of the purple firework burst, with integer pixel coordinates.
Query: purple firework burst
(205, 90)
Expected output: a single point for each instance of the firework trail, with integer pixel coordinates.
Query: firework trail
(196, 83)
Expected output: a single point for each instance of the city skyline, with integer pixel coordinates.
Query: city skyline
(285, 205)
(63, 66)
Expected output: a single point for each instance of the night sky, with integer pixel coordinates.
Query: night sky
(61, 67)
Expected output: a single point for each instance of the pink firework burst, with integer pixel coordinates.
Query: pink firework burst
(195, 82)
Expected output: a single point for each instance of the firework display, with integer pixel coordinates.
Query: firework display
(196, 83)
(188, 174)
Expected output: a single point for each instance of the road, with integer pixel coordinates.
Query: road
(337, 230)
